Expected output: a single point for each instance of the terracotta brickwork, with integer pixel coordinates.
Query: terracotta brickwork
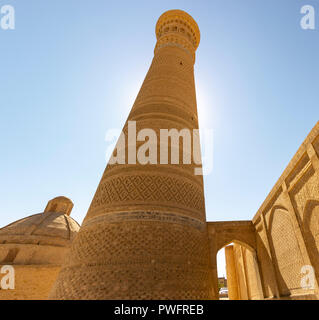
(35, 247)
(221, 234)
(145, 235)
(271, 251)
(287, 224)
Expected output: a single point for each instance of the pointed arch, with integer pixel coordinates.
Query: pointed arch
(285, 249)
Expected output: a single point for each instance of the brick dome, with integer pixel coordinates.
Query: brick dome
(47, 228)
(52, 227)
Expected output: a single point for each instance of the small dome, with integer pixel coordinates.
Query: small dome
(52, 227)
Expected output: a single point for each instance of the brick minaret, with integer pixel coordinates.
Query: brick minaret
(144, 236)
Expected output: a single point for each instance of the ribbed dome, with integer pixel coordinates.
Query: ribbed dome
(48, 228)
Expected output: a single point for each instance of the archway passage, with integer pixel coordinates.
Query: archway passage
(222, 276)
(242, 269)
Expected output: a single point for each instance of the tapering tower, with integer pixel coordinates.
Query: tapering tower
(144, 236)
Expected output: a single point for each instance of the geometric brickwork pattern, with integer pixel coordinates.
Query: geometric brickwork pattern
(287, 227)
(102, 258)
(145, 235)
(150, 188)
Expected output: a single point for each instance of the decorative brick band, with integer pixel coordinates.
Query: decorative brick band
(147, 216)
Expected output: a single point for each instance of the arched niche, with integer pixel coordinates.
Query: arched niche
(287, 257)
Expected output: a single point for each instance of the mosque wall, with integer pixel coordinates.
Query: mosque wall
(287, 227)
(278, 256)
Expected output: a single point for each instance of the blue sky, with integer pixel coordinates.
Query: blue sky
(71, 70)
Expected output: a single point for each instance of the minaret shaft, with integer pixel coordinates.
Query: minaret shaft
(144, 236)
